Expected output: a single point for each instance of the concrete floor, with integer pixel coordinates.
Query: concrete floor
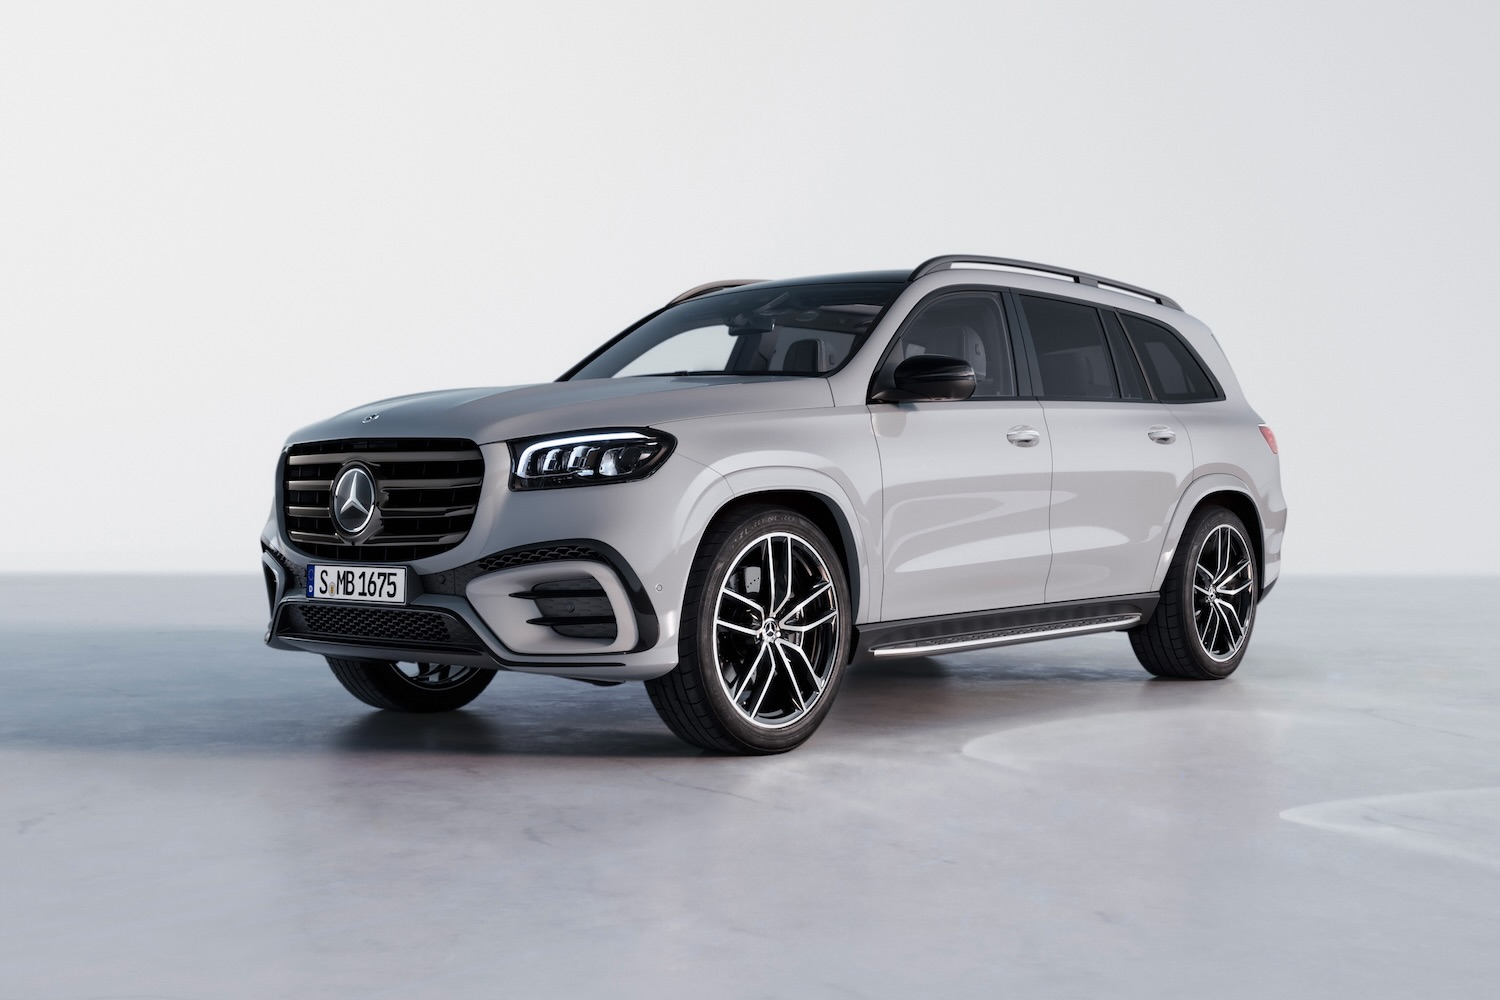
(186, 814)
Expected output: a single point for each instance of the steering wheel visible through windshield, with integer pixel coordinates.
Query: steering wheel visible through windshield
(771, 329)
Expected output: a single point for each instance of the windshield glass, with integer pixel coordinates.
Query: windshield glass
(777, 330)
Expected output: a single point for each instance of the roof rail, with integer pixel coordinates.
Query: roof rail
(713, 286)
(1081, 277)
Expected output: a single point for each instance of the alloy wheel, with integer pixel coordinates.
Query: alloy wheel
(1223, 592)
(776, 630)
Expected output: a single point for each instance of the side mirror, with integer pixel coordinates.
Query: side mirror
(927, 378)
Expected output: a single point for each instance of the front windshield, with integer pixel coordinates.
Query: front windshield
(774, 330)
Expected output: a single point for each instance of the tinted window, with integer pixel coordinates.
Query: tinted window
(1070, 349)
(968, 326)
(1176, 376)
(1132, 382)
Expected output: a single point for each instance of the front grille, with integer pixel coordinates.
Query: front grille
(401, 627)
(427, 490)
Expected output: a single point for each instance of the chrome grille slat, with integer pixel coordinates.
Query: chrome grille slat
(376, 457)
(427, 494)
(388, 484)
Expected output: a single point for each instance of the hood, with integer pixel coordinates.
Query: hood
(500, 414)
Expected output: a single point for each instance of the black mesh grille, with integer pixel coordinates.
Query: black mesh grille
(426, 493)
(383, 626)
(525, 557)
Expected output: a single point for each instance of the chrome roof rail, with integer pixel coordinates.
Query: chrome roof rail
(1081, 277)
(713, 286)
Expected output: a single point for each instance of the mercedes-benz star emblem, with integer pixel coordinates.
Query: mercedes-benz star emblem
(353, 500)
(373, 416)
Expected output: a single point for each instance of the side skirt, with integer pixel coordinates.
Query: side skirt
(980, 629)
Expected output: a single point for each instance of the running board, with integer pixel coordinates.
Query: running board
(978, 640)
(1002, 627)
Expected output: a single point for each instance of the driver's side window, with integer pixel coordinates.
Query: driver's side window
(969, 326)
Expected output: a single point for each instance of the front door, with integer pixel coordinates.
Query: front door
(966, 484)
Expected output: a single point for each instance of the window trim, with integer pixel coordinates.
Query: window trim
(1018, 366)
(1114, 329)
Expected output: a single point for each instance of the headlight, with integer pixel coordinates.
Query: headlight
(588, 457)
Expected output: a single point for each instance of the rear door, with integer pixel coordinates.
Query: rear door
(1120, 460)
(966, 484)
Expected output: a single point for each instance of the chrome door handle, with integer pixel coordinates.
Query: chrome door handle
(1022, 436)
(1161, 434)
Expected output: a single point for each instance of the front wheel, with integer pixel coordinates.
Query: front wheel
(1201, 626)
(766, 628)
(411, 687)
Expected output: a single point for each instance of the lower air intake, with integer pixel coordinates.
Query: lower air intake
(401, 627)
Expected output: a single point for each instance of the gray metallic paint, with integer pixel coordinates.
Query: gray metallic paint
(1123, 509)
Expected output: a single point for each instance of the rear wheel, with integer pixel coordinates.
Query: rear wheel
(766, 628)
(411, 687)
(1201, 626)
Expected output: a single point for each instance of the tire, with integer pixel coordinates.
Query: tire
(759, 661)
(420, 687)
(1194, 634)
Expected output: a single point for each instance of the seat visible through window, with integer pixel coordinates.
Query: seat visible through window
(967, 326)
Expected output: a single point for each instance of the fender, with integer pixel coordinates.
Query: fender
(854, 527)
(1196, 490)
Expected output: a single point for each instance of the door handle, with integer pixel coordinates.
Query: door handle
(1161, 434)
(1022, 436)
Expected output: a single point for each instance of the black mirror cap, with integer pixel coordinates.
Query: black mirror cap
(928, 378)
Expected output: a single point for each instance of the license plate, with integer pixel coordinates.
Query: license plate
(375, 584)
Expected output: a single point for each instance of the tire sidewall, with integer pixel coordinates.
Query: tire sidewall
(1186, 578)
(700, 643)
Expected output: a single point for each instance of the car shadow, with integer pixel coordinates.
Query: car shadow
(217, 693)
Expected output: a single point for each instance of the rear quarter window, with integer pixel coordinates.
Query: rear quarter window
(1175, 373)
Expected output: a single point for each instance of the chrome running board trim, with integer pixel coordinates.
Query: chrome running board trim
(1001, 637)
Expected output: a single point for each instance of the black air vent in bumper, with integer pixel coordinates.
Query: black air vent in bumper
(576, 608)
(427, 490)
(404, 628)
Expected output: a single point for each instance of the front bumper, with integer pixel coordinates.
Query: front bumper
(472, 605)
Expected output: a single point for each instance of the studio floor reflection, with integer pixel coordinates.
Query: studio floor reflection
(187, 814)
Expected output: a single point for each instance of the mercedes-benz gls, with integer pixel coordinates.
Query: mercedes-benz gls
(765, 481)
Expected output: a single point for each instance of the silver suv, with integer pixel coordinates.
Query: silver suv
(765, 481)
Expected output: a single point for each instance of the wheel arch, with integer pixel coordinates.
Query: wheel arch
(821, 509)
(1221, 491)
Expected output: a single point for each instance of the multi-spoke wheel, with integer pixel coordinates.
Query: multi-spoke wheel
(765, 634)
(1203, 622)
(411, 687)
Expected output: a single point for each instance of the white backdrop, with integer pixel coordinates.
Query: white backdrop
(220, 222)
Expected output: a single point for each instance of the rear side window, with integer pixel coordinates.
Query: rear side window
(1175, 374)
(1071, 351)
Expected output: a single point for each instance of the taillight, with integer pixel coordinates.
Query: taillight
(1270, 437)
